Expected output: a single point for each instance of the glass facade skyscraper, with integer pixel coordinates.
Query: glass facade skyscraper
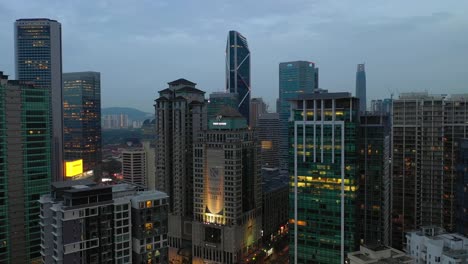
(82, 120)
(38, 59)
(238, 71)
(324, 179)
(25, 169)
(361, 87)
(295, 78)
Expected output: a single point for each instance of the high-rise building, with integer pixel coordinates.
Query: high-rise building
(85, 223)
(295, 78)
(180, 116)
(134, 166)
(462, 188)
(227, 189)
(381, 106)
(149, 146)
(257, 108)
(324, 177)
(361, 87)
(426, 130)
(82, 120)
(238, 71)
(25, 167)
(374, 171)
(119, 121)
(218, 100)
(269, 137)
(38, 59)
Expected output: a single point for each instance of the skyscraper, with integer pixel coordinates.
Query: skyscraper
(374, 170)
(238, 71)
(295, 78)
(426, 130)
(361, 87)
(462, 188)
(82, 120)
(218, 100)
(257, 108)
(228, 196)
(25, 167)
(38, 59)
(324, 178)
(180, 116)
(269, 136)
(134, 166)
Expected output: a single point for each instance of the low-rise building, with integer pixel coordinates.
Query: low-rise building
(434, 245)
(378, 254)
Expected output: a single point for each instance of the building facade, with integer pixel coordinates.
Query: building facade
(238, 71)
(374, 172)
(85, 223)
(433, 244)
(426, 129)
(25, 167)
(134, 166)
(180, 116)
(227, 191)
(462, 188)
(38, 59)
(257, 109)
(82, 120)
(368, 254)
(295, 78)
(269, 137)
(218, 100)
(361, 87)
(324, 179)
(275, 204)
(381, 106)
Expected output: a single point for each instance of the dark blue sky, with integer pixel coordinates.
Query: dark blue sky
(139, 46)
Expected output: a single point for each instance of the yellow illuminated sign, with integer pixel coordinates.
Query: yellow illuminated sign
(73, 168)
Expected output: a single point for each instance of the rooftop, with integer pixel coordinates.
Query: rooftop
(181, 81)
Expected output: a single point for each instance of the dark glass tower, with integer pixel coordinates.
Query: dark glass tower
(361, 87)
(82, 120)
(238, 71)
(38, 59)
(462, 188)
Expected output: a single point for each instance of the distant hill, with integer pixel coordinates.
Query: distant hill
(133, 114)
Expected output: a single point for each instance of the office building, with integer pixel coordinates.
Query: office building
(134, 166)
(374, 172)
(218, 100)
(361, 87)
(324, 178)
(269, 137)
(275, 204)
(377, 254)
(180, 116)
(295, 78)
(82, 121)
(426, 129)
(227, 189)
(25, 167)
(38, 59)
(85, 223)
(462, 188)
(257, 109)
(381, 106)
(238, 71)
(433, 244)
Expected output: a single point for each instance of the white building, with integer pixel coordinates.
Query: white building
(134, 166)
(378, 255)
(432, 245)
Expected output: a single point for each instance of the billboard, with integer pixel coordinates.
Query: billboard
(73, 168)
(214, 181)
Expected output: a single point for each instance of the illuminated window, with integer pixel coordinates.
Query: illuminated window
(149, 226)
(149, 247)
(148, 204)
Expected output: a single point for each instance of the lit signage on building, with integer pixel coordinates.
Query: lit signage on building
(219, 123)
(73, 168)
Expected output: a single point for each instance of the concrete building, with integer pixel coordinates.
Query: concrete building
(38, 59)
(374, 185)
(381, 106)
(25, 167)
(361, 87)
(324, 177)
(148, 142)
(269, 136)
(119, 121)
(369, 254)
(180, 116)
(238, 71)
(257, 109)
(426, 129)
(82, 121)
(85, 223)
(134, 166)
(275, 204)
(433, 245)
(227, 191)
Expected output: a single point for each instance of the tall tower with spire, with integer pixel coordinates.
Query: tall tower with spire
(361, 87)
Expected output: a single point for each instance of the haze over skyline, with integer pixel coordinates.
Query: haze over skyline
(140, 46)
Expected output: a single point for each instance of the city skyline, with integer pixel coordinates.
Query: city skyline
(387, 37)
